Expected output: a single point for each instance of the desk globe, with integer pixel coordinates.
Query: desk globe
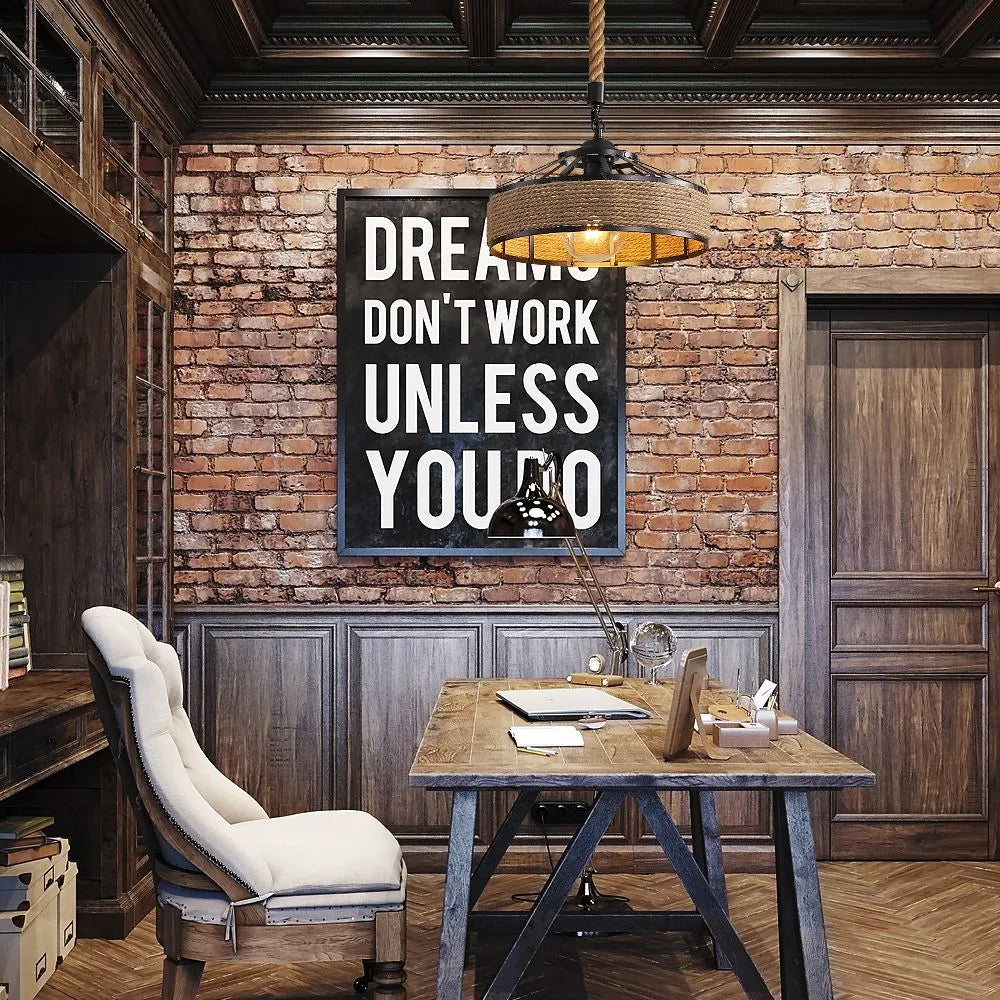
(653, 645)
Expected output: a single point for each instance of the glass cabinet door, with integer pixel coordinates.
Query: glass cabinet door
(152, 467)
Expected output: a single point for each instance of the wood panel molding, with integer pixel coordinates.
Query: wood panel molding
(382, 669)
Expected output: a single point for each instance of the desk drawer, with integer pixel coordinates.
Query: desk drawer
(38, 745)
(93, 730)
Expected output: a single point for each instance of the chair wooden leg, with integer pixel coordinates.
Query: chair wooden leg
(181, 978)
(387, 971)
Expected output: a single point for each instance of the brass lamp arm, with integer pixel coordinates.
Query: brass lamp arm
(613, 631)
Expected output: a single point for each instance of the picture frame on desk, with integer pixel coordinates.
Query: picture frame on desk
(692, 679)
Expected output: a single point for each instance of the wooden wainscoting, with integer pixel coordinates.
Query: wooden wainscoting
(319, 708)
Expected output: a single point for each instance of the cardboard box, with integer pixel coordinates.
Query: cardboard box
(22, 886)
(29, 947)
(66, 911)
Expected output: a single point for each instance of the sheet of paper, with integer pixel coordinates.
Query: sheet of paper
(546, 736)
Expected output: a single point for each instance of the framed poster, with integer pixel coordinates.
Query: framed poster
(453, 366)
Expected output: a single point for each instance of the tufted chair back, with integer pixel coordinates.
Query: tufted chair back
(189, 804)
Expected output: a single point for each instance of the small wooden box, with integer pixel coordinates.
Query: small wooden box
(29, 947)
(23, 885)
(66, 912)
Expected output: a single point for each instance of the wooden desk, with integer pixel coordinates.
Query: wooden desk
(466, 748)
(48, 722)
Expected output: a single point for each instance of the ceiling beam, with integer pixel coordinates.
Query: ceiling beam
(723, 24)
(968, 27)
(242, 25)
(483, 24)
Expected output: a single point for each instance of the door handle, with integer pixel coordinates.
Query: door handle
(995, 589)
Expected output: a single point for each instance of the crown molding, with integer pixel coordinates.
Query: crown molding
(689, 118)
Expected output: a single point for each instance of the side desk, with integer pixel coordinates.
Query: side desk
(466, 748)
(51, 764)
(48, 722)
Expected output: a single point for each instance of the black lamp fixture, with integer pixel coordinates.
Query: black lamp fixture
(598, 205)
(535, 514)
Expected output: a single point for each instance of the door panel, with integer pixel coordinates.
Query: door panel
(898, 452)
(908, 449)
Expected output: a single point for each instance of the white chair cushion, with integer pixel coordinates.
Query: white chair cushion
(341, 851)
(328, 908)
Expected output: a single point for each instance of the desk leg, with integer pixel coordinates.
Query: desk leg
(805, 960)
(711, 910)
(549, 904)
(498, 847)
(706, 844)
(455, 915)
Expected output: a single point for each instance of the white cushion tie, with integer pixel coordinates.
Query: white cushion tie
(231, 914)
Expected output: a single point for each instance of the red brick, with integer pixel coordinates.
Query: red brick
(255, 342)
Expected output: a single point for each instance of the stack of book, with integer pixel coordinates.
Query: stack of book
(15, 638)
(23, 838)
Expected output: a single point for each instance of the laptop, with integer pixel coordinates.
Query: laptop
(553, 704)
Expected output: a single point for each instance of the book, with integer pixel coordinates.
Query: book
(18, 607)
(22, 659)
(16, 642)
(10, 564)
(21, 619)
(14, 827)
(18, 855)
(35, 840)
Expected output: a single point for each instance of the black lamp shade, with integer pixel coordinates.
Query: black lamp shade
(531, 513)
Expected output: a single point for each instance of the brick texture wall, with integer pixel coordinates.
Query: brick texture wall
(255, 351)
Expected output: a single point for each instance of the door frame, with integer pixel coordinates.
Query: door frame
(800, 640)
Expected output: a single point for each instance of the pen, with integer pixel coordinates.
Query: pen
(540, 753)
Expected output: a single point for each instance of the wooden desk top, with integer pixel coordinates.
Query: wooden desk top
(466, 745)
(41, 695)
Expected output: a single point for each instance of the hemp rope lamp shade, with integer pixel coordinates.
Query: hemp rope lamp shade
(597, 205)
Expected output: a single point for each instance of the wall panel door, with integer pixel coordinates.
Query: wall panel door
(901, 453)
(394, 675)
(267, 706)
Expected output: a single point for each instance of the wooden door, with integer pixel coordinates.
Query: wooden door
(901, 443)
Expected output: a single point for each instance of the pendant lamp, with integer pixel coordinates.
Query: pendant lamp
(597, 205)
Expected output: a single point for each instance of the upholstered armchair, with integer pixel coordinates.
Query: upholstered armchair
(233, 884)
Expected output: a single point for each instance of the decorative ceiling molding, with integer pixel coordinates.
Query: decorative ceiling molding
(688, 118)
(138, 50)
(971, 24)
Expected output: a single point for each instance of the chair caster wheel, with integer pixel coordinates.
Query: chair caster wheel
(361, 985)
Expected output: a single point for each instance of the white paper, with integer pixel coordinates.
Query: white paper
(546, 736)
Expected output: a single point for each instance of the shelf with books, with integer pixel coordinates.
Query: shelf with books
(15, 634)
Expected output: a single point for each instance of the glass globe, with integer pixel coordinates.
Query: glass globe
(653, 645)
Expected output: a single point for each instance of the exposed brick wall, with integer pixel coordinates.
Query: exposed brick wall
(256, 359)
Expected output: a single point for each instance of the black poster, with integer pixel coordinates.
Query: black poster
(453, 366)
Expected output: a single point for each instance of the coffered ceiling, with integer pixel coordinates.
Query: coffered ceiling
(515, 70)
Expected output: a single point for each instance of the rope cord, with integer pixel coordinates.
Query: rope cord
(596, 40)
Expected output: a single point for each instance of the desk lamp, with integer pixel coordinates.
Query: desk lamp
(535, 513)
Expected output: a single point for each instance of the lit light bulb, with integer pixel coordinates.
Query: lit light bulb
(592, 246)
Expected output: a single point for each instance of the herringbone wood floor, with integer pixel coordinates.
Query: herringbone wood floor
(900, 931)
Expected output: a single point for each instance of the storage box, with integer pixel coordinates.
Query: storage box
(21, 886)
(29, 947)
(66, 911)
